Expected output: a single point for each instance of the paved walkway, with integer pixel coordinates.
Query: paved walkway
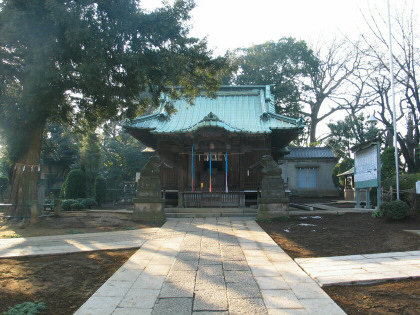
(59, 244)
(362, 268)
(210, 266)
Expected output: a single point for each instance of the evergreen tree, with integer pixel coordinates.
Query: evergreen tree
(90, 157)
(100, 189)
(78, 61)
(75, 185)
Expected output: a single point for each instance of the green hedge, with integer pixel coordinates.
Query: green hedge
(396, 210)
(78, 204)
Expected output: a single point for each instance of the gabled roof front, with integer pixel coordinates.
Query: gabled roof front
(237, 109)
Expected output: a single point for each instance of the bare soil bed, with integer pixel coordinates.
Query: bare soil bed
(349, 234)
(63, 282)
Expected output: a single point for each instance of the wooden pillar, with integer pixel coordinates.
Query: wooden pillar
(180, 180)
(242, 172)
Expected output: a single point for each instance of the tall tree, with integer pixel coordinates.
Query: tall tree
(283, 64)
(82, 60)
(305, 82)
(91, 157)
(326, 91)
(346, 133)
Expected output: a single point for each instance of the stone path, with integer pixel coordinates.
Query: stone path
(362, 268)
(59, 244)
(210, 266)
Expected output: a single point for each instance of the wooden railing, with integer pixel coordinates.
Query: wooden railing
(213, 199)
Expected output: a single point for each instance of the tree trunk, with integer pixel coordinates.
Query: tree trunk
(312, 130)
(25, 176)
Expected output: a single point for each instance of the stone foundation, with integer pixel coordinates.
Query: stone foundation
(149, 210)
(273, 209)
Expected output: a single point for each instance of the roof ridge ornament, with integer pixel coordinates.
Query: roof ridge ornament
(211, 117)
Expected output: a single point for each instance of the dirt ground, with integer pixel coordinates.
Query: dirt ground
(64, 282)
(348, 234)
(74, 222)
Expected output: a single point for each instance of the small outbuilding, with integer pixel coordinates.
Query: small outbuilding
(308, 171)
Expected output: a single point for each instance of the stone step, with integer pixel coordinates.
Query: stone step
(210, 210)
(210, 215)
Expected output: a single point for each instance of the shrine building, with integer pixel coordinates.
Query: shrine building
(212, 148)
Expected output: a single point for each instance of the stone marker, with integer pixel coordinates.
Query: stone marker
(149, 206)
(273, 202)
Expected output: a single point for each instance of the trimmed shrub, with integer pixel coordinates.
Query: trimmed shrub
(396, 209)
(66, 204)
(77, 206)
(75, 185)
(100, 189)
(88, 203)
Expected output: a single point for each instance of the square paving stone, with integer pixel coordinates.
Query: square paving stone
(247, 307)
(276, 283)
(235, 265)
(181, 275)
(185, 265)
(233, 256)
(242, 290)
(114, 288)
(210, 282)
(173, 306)
(307, 291)
(215, 270)
(177, 290)
(140, 298)
(264, 271)
(322, 306)
(239, 276)
(157, 270)
(132, 311)
(210, 300)
(211, 313)
(210, 260)
(149, 282)
(188, 255)
(286, 299)
(287, 311)
(126, 275)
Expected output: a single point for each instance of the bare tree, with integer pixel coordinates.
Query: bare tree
(328, 87)
(406, 59)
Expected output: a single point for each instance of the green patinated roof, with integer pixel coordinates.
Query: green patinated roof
(237, 109)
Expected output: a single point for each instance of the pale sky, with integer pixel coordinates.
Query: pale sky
(229, 24)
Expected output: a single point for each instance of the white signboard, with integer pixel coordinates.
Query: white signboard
(366, 165)
(418, 187)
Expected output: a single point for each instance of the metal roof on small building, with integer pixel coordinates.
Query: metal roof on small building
(309, 153)
(237, 109)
